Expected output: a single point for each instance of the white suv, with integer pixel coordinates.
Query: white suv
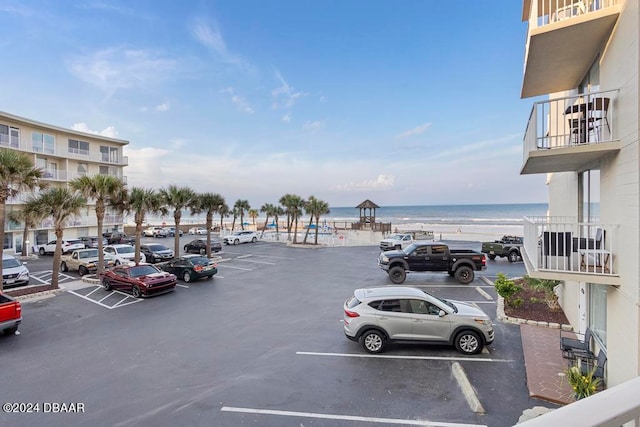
(241, 237)
(376, 316)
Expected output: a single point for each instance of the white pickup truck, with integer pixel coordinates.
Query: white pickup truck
(402, 240)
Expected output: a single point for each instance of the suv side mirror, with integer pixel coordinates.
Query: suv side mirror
(442, 313)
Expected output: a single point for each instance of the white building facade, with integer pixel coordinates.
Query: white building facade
(63, 155)
(583, 55)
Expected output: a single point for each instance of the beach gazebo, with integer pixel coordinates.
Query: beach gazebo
(367, 212)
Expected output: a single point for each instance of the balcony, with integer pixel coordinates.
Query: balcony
(570, 133)
(563, 39)
(561, 248)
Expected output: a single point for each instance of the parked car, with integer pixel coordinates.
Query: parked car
(10, 314)
(67, 246)
(377, 316)
(92, 241)
(508, 246)
(241, 237)
(84, 261)
(141, 280)
(123, 254)
(155, 252)
(118, 237)
(199, 246)
(171, 231)
(190, 267)
(198, 230)
(154, 232)
(14, 272)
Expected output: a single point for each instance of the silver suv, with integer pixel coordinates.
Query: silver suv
(376, 316)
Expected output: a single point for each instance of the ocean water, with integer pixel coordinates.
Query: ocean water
(480, 215)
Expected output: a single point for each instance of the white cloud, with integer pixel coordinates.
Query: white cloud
(209, 35)
(165, 106)
(109, 132)
(114, 69)
(415, 131)
(239, 101)
(382, 182)
(285, 96)
(286, 118)
(315, 126)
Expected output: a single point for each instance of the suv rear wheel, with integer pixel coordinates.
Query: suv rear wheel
(372, 341)
(468, 342)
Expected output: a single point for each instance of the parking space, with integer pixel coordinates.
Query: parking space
(267, 332)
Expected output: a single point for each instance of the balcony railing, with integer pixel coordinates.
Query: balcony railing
(561, 244)
(71, 153)
(579, 124)
(545, 12)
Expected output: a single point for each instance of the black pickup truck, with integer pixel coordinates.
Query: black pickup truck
(508, 246)
(430, 256)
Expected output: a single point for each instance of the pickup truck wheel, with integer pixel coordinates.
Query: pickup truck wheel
(397, 247)
(468, 342)
(106, 285)
(464, 274)
(41, 251)
(82, 270)
(397, 274)
(513, 256)
(186, 276)
(372, 341)
(10, 331)
(135, 291)
(491, 257)
(63, 267)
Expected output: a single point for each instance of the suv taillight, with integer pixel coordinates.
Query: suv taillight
(351, 313)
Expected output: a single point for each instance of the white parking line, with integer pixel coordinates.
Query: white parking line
(256, 262)
(346, 417)
(101, 304)
(389, 356)
(237, 268)
(483, 293)
(182, 286)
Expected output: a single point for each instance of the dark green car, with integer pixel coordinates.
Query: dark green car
(190, 267)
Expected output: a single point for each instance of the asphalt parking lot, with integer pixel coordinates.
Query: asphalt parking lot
(260, 344)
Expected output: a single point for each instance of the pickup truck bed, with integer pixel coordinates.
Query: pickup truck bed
(10, 314)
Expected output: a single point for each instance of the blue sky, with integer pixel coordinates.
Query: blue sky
(400, 102)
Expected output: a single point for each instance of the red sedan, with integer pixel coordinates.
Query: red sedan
(141, 280)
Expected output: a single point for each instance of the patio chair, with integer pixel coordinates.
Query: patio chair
(589, 362)
(598, 109)
(571, 347)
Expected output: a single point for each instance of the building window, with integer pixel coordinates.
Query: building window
(42, 143)
(109, 154)
(42, 237)
(79, 147)
(598, 312)
(83, 169)
(9, 136)
(8, 240)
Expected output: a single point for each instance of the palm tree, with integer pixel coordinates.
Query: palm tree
(241, 206)
(17, 173)
(60, 204)
(223, 210)
(235, 214)
(277, 213)
(103, 189)
(177, 198)
(269, 210)
(139, 202)
(316, 208)
(286, 202)
(253, 214)
(296, 204)
(209, 203)
(29, 216)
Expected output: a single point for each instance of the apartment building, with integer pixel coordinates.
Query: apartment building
(583, 56)
(62, 154)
